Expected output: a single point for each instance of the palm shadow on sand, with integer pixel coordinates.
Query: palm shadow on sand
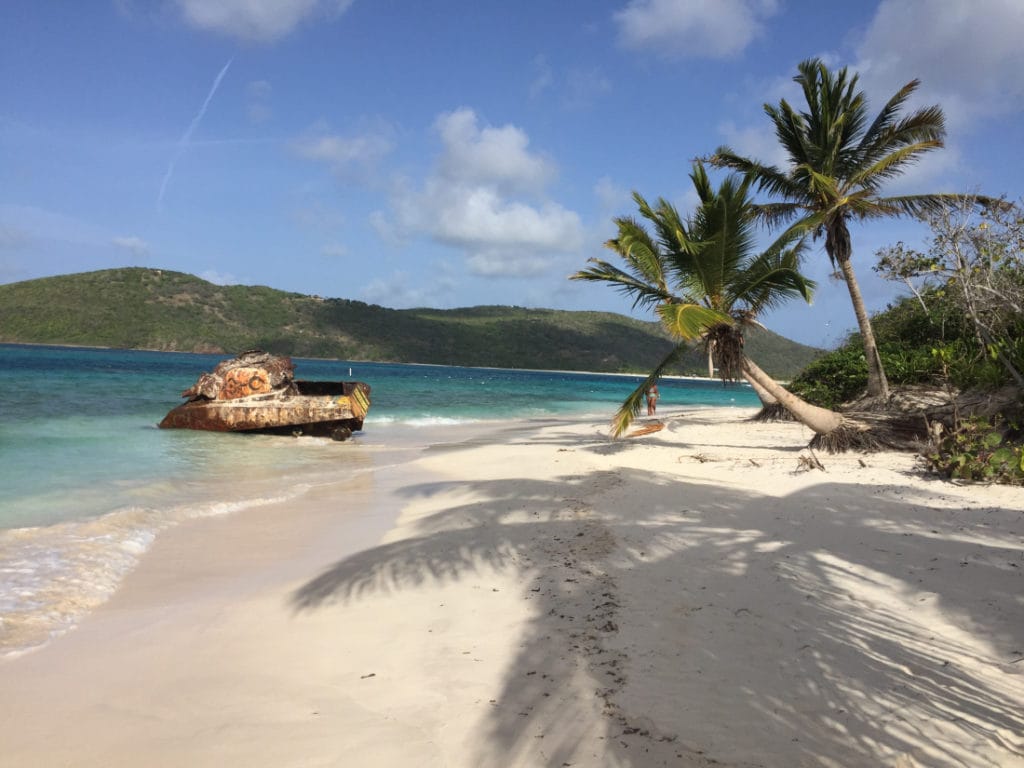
(784, 593)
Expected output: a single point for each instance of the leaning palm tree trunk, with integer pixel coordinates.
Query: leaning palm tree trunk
(860, 430)
(821, 420)
(771, 408)
(833, 432)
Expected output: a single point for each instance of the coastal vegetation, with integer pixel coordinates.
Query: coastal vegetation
(141, 308)
(960, 335)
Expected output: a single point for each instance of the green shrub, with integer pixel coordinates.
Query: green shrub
(907, 337)
(834, 378)
(981, 451)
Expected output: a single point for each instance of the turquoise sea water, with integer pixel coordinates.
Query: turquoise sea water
(88, 480)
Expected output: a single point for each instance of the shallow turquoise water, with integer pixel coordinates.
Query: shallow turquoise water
(89, 481)
(82, 422)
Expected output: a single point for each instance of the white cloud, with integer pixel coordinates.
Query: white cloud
(480, 216)
(256, 20)
(344, 154)
(967, 54)
(498, 156)
(138, 247)
(402, 290)
(218, 278)
(486, 198)
(693, 28)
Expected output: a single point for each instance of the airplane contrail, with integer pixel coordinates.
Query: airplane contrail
(187, 136)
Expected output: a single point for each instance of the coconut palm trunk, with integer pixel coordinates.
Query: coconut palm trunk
(821, 420)
(767, 398)
(833, 432)
(771, 408)
(838, 246)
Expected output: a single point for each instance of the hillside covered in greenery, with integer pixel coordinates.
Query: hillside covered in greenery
(141, 308)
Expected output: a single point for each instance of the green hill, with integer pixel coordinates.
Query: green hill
(140, 308)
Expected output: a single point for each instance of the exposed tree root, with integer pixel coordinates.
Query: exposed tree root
(849, 436)
(772, 412)
(870, 432)
(912, 418)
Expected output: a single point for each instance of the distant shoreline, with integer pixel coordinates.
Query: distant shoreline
(227, 355)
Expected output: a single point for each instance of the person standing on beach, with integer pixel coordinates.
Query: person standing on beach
(652, 399)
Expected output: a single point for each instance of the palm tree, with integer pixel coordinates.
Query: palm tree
(838, 162)
(705, 282)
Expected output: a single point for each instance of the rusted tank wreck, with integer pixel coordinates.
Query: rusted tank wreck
(257, 392)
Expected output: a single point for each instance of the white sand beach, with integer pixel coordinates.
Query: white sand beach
(534, 594)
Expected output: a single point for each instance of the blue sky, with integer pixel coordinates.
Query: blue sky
(449, 153)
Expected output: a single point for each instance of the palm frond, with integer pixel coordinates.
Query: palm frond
(770, 286)
(791, 130)
(644, 294)
(811, 223)
(630, 408)
(822, 187)
(926, 126)
(768, 177)
(773, 277)
(775, 214)
(918, 205)
(689, 321)
(891, 165)
(886, 117)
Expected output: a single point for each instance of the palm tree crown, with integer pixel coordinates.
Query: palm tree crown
(838, 163)
(700, 272)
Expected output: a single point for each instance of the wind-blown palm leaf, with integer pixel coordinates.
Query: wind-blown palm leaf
(644, 294)
(886, 119)
(771, 280)
(690, 321)
(638, 250)
(890, 165)
(917, 205)
(630, 409)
